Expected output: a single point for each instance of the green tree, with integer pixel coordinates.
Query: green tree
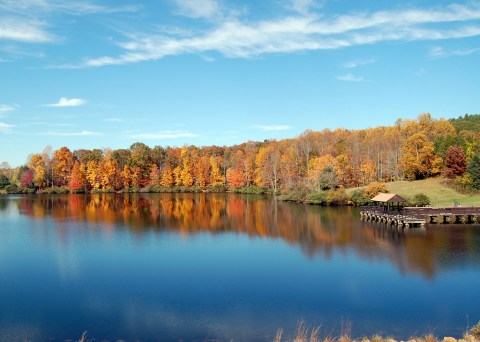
(4, 181)
(473, 170)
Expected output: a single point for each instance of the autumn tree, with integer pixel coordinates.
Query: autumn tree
(27, 179)
(322, 173)
(268, 166)
(93, 175)
(375, 188)
(455, 162)
(110, 173)
(167, 178)
(250, 151)
(37, 165)
(367, 171)
(62, 166)
(235, 178)
(202, 171)
(155, 175)
(418, 160)
(141, 158)
(216, 177)
(77, 178)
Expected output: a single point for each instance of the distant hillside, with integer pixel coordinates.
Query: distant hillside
(468, 122)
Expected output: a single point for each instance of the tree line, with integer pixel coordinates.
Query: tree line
(316, 160)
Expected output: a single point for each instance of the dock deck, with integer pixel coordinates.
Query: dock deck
(420, 216)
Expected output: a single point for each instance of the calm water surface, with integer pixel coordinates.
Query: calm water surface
(165, 267)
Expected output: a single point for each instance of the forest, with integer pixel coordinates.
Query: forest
(318, 161)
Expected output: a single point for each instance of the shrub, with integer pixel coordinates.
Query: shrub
(11, 189)
(4, 181)
(465, 181)
(418, 200)
(336, 197)
(252, 189)
(294, 195)
(215, 188)
(358, 197)
(78, 191)
(319, 197)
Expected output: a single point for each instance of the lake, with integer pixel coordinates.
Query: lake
(165, 267)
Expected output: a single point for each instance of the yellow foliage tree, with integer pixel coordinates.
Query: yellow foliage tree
(168, 178)
(39, 168)
(155, 175)
(418, 160)
(216, 177)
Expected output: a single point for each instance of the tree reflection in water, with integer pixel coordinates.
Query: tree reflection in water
(316, 230)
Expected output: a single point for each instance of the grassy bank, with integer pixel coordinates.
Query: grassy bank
(437, 190)
(304, 333)
(307, 334)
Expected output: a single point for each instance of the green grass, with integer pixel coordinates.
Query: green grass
(436, 189)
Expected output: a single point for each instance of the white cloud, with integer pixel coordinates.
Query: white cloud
(350, 78)
(19, 21)
(236, 39)
(164, 135)
(198, 8)
(64, 102)
(7, 108)
(301, 6)
(5, 128)
(465, 52)
(358, 63)
(62, 6)
(272, 127)
(70, 134)
(23, 31)
(437, 51)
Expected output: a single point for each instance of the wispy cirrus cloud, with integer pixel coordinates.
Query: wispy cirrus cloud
(65, 102)
(117, 120)
(4, 108)
(350, 78)
(439, 51)
(301, 6)
(70, 134)
(21, 30)
(5, 128)
(198, 8)
(304, 32)
(359, 62)
(20, 18)
(62, 6)
(164, 135)
(272, 127)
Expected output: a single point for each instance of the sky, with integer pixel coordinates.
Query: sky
(106, 74)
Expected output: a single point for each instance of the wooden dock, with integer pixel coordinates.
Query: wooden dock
(420, 216)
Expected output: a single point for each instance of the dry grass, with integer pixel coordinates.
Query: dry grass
(304, 333)
(84, 337)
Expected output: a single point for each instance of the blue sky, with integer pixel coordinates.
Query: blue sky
(98, 74)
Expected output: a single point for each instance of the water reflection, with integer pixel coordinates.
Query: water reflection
(317, 231)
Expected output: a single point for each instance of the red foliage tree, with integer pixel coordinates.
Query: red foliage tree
(455, 162)
(77, 178)
(27, 179)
